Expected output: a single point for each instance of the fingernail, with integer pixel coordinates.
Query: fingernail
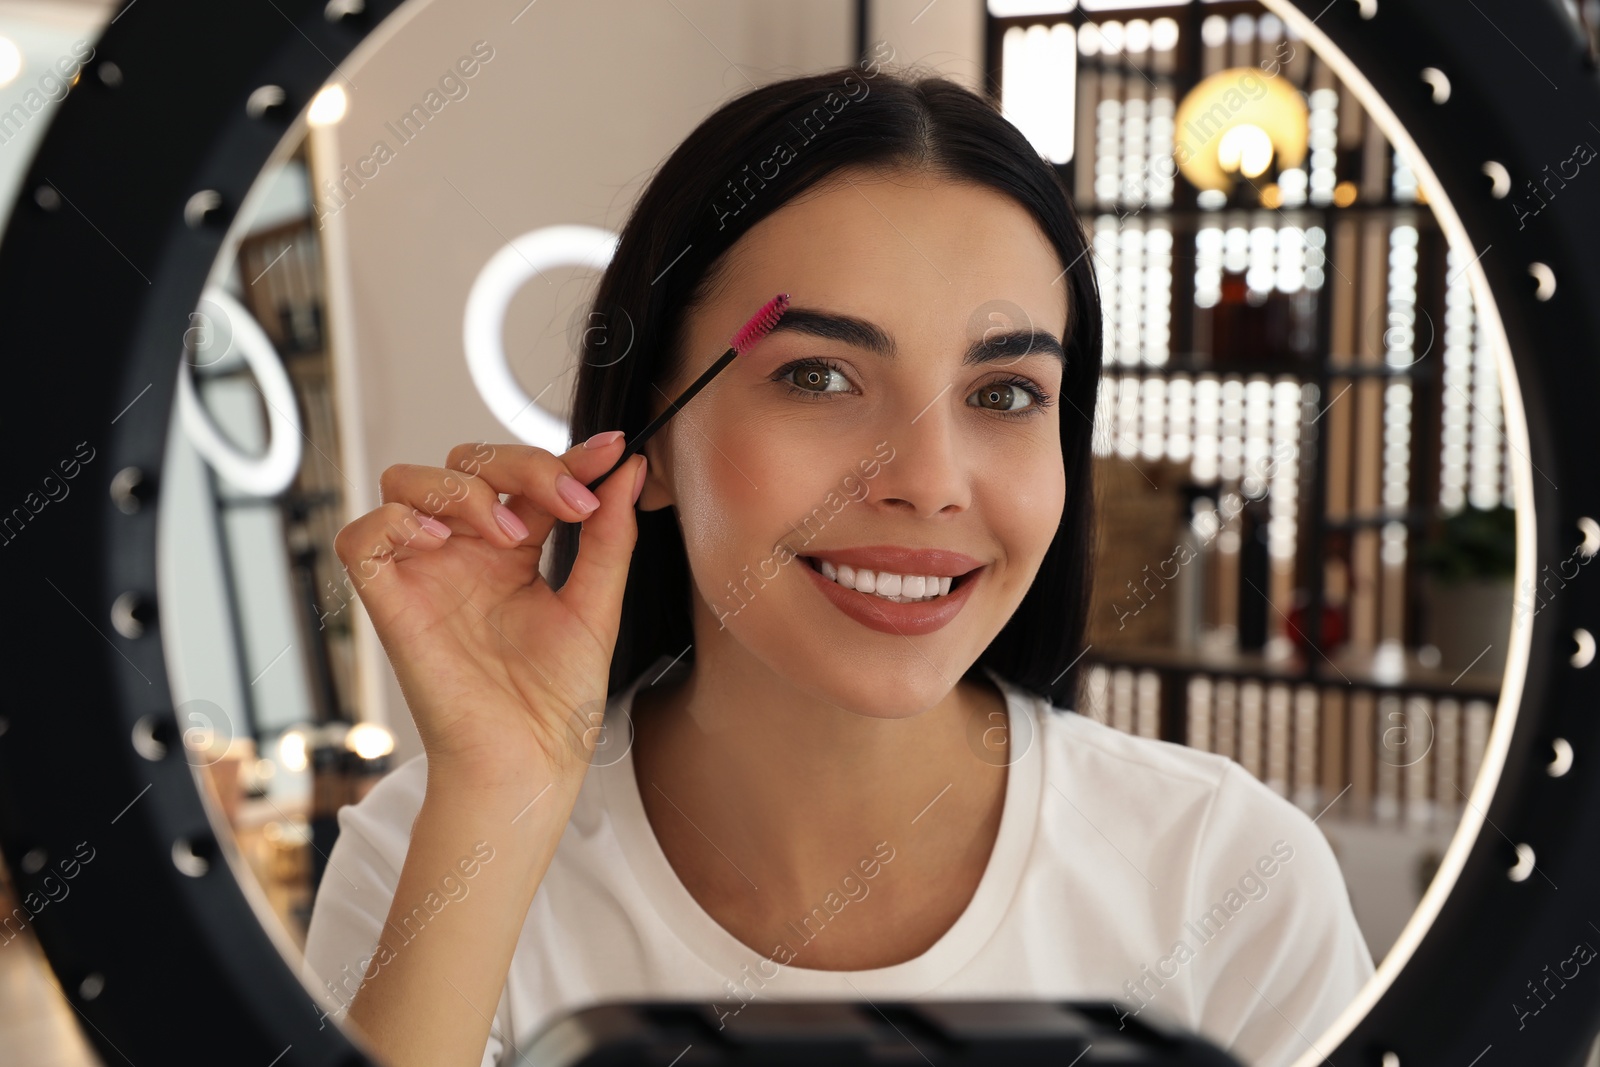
(509, 522)
(431, 524)
(575, 493)
(601, 439)
(638, 486)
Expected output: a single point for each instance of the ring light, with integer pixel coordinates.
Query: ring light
(90, 752)
(264, 475)
(507, 271)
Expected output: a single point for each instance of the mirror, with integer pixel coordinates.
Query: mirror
(1307, 340)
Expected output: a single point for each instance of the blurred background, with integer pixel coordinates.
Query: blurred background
(1306, 527)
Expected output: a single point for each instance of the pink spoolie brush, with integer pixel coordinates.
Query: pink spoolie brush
(760, 324)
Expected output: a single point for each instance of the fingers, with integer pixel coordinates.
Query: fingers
(389, 532)
(426, 506)
(465, 493)
(593, 590)
(544, 487)
(465, 504)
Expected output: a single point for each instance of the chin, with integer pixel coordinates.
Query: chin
(893, 687)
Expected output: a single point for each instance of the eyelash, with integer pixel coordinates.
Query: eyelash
(1041, 399)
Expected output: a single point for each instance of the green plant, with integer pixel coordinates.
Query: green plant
(1473, 543)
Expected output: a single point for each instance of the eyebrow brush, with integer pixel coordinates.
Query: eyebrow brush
(760, 324)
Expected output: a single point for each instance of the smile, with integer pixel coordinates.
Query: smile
(896, 588)
(878, 600)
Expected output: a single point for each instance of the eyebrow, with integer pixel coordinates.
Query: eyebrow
(993, 347)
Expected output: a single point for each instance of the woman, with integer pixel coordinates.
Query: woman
(703, 756)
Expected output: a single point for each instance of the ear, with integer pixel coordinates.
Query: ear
(657, 492)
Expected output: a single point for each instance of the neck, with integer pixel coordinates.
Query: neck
(791, 785)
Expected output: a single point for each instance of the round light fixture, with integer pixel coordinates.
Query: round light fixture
(1237, 122)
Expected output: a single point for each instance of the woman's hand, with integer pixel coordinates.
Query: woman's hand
(503, 675)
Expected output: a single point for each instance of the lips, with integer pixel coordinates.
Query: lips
(906, 620)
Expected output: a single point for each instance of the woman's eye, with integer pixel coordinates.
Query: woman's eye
(811, 377)
(1005, 397)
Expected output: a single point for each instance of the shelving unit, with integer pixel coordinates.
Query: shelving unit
(278, 276)
(1392, 407)
(281, 268)
(289, 305)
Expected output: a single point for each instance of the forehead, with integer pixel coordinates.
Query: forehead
(923, 256)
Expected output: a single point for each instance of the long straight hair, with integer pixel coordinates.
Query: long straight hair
(713, 188)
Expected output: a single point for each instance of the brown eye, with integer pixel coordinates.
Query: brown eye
(813, 377)
(1002, 396)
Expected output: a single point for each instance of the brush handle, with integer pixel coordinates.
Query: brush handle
(672, 409)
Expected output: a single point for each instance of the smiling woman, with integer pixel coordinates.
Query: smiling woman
(855, 699)
(931, 155)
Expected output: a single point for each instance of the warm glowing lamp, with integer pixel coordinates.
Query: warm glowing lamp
(369, 740)
(292, 750)
(1238, 122)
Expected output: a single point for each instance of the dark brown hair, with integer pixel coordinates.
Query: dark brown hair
(667, 262)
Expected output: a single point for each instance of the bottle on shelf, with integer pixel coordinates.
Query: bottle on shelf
(1255, 574)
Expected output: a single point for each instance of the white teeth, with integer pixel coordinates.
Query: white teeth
(901, 589)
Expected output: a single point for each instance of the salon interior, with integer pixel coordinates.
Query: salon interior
(1306, 529)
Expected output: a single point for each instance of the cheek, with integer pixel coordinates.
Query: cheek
(743, 485)
(1023, 504)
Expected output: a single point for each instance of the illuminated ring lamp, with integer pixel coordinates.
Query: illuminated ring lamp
(272, 472)
(159, 950)
(483, 324)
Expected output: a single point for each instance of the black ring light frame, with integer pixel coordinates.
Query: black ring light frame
(127, 207)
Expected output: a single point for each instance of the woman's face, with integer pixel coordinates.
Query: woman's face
(858, 448)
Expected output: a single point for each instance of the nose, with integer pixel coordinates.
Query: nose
(930, 472)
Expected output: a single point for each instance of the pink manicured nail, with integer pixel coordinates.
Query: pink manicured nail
(601, 439)
(576, 493)
(509, 522)
(432, 525)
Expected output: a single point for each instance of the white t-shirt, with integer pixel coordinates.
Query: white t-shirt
(1124, 867)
